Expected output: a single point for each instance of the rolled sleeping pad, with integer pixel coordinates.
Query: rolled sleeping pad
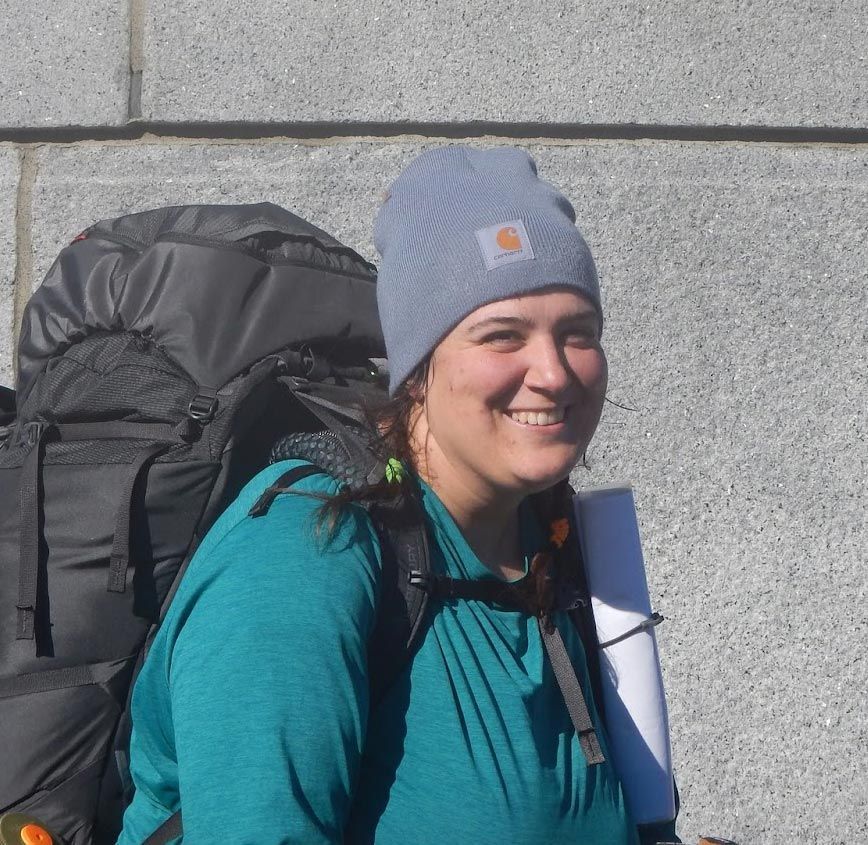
(637, 721)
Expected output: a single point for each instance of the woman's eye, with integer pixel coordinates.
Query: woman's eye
(580, 337)
(502, 338)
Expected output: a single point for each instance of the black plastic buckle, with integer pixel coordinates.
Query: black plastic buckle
(308, 360)
(202, 408)
(34, 432)
(418, 579)
(313, 367)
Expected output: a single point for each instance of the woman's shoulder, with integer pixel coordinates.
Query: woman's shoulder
(286, 552)
(273, 511)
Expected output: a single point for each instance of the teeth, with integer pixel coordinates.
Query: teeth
(538, 417)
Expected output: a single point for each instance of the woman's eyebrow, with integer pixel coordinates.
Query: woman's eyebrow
(499, 321)
(490, 322)
(581, 317)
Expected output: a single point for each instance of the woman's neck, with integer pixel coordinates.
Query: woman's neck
(487, 516)
(490, 524)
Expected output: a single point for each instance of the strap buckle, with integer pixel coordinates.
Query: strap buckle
(313, 367)
(419, 579)
(33, 433)
(202, 408)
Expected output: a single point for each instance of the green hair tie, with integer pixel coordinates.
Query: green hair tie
(394, 471)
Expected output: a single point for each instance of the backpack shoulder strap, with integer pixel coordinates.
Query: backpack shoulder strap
(406, 567)
(406, 556)
(7, 405)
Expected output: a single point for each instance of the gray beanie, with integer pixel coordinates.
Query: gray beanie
(460, 228)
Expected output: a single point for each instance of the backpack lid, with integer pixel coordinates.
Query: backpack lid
(216, 287)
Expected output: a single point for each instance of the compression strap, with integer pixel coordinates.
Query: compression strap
(571, 689)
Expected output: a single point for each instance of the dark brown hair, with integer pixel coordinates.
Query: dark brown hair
(390, 421)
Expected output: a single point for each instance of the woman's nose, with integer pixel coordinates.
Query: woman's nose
(548, 368)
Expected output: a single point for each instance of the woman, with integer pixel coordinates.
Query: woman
(252, 710)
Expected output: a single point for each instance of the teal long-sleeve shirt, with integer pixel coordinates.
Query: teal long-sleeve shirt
(252, 714)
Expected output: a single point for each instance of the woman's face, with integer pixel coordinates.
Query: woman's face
(514, 395)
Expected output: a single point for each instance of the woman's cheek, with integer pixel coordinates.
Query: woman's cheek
(593, 370)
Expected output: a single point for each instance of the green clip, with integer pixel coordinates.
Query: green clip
(394, 471)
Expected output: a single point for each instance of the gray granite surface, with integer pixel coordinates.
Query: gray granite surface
(63, 63)
(730, 62)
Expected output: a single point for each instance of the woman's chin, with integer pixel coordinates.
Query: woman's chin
(537, 477)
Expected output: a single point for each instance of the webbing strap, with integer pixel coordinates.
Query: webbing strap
(653, 620)
(293, 476)
(406, 560)
(517, 595)
(571, 689)
(53, 679)
(28, 561)
(120, 556)
(114, 431)
(170, 829)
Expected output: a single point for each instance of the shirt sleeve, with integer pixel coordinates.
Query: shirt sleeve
(267, 675)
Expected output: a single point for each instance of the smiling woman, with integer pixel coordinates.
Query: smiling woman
(491, 313)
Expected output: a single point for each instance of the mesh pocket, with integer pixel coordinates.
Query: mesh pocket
(111, 376)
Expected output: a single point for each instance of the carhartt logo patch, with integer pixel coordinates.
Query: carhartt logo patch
(504, 244)
(508, 238)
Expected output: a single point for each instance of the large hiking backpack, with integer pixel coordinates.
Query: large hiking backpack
(160, 361)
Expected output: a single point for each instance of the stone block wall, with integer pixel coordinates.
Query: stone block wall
(717, 156)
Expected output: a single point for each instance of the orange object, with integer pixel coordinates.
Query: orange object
(560, 529)
(33, 834)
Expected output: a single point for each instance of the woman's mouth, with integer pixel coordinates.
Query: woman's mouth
(551, 416)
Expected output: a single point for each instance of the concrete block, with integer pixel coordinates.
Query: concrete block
(67, 63)
(9, 170)
(735, 290)
(705, 63)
